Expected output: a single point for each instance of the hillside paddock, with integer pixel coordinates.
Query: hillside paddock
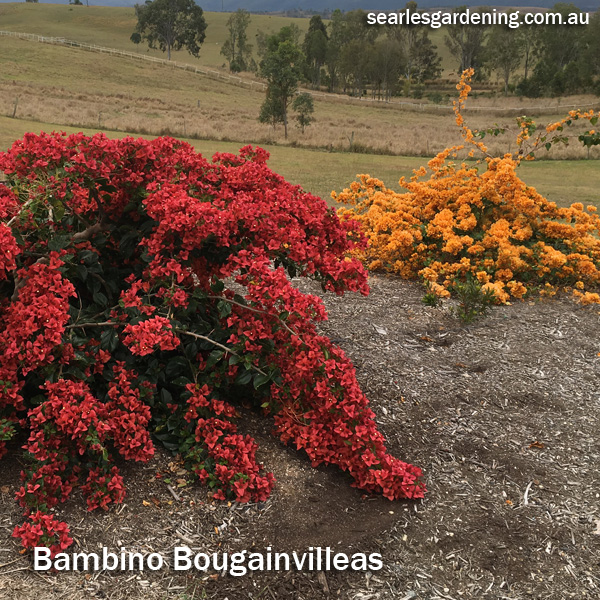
(42, 82)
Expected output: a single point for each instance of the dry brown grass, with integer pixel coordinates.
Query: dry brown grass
(123, 95)
(61, 88)
(366, 128)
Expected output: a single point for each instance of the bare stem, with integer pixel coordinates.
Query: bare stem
(9, 223)
(218, 345)
(87, 233)
(82, 325)
(256, 310)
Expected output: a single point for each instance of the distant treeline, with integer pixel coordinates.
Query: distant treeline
(348, 55)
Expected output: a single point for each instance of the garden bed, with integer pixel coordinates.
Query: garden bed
(502, 415)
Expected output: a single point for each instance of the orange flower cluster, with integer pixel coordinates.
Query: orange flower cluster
(469, 221)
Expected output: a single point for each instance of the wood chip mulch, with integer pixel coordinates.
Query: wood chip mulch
(503, 415)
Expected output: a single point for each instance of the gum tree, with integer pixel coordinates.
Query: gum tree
(505, 52)
(283, 67)
(170, 25)
(236, 48)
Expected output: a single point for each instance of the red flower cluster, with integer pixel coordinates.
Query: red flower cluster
(143, 338)
(332, 421)
(143, 290)
(101, 488)
(44, 530)
(234, 458)
(129, 416)
(9, 251)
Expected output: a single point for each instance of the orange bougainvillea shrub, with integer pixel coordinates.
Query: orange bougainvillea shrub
(480, 221)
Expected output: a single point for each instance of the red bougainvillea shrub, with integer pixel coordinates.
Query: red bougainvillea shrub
(144, 291)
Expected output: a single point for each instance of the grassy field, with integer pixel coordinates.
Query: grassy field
(321, 172)
(112, 27)
(141, 97)
(145, 98)
(54, 87)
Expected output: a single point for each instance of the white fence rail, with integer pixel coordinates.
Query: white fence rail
(259, 85)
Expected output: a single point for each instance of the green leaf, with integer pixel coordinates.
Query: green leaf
(176, 366)
(109, 340)
(217, 287)
(244, 378)
(100, 299)
(96, 285)
(75, 373)
(37, 399)
(88, 256)
(58, 242)
(213, 358)
(224, 308)
(172, 446)
(59, 210)
(82, 272)
(260, 379)
(173, 423)
(170, 442)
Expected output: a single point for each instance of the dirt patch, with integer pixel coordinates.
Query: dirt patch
(502, 415)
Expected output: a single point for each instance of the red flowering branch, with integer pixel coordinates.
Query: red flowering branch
(153, 291)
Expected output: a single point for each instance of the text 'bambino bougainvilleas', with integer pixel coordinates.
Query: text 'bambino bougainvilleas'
(144, 291)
